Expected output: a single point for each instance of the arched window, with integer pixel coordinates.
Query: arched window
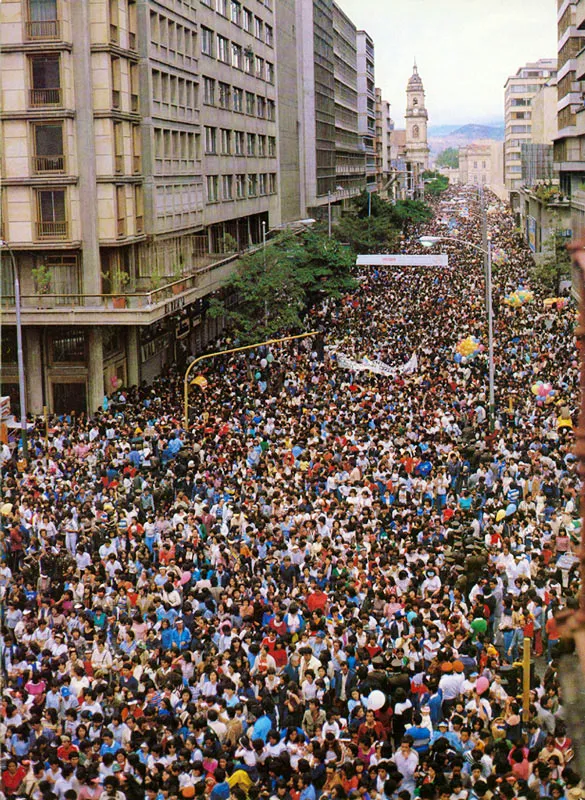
(415, 132)
(415, 101)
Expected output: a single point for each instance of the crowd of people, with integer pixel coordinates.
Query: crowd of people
(320, 589)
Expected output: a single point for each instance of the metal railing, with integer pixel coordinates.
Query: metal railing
(45, 97)
(43, 29)
(52, 230)
(48, 164)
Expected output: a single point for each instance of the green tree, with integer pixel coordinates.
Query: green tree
(277, 284)
(555, 262)
(448, 158)
(411, 212)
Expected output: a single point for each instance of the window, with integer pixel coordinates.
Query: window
(51, 215)
(268, 35)
(258, 28)
(270, 110)
(235, 12)
(42, 22)
(212, 189)
(138, 208)
(114, 21)
(415, 132)
(209, 91)
(48, 148)
(240, 186)
(206, 41)
(248, 61)
(475, 165)
(252, 185)
(269, 72)
(134, 98)
(239, 143)
(250, 144)
(225, 141)
(236, 56)
(250, 103)
(261, 107)
(227, 187)
(222, 7)
(238, 100)
(272, 183)
(223, 49)
(247, 20)
(121, 209)
(45, 81)
(210, 140)
(224, 95)
(118, 148)
(115, 68)
(520, 129)
(262, 184)
(69, 345)
(261, 146)
(259, 67)
(272, 146)
(483, 164)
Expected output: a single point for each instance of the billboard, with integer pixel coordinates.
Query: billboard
(403, 261)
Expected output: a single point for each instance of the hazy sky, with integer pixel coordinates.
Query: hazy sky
(465, 50)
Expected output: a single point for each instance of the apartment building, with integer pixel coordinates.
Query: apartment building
(520, 89)
(136, 137)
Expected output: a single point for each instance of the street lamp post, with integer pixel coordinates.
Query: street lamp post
(329, 213)
(429, 241)
(19, 356)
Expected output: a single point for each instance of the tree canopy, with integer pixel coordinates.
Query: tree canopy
(448, 158)
(276, 284)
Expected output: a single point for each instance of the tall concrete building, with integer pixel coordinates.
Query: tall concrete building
(331, 151)
(367, 103)
(520, 89)
(136, 136)
(384, 128)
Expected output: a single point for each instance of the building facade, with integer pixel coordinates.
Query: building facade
(520, 90)
(140, 147)
(384, 129)
(367, 103)
(569, 144)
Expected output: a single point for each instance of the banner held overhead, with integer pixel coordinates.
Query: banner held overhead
(402, 261)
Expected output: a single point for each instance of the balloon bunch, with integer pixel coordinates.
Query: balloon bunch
(519, 298)
(543, 392)
(558, 302)
(467, 348)
(115, 382)
(499, 257)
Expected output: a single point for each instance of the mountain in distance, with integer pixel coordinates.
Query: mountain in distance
(470, 131)
(443, 136)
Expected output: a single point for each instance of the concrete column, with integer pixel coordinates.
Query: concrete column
(95, 370)
(132, 356)
(34, 370)
(84, 121)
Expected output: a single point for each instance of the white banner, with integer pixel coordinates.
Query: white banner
(441, 260)
(377, 367)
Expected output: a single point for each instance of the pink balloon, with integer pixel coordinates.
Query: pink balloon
(481, 685)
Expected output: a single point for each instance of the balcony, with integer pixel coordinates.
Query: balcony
(46, 165)
(45, 29)
(52, 230)
(41, 98)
